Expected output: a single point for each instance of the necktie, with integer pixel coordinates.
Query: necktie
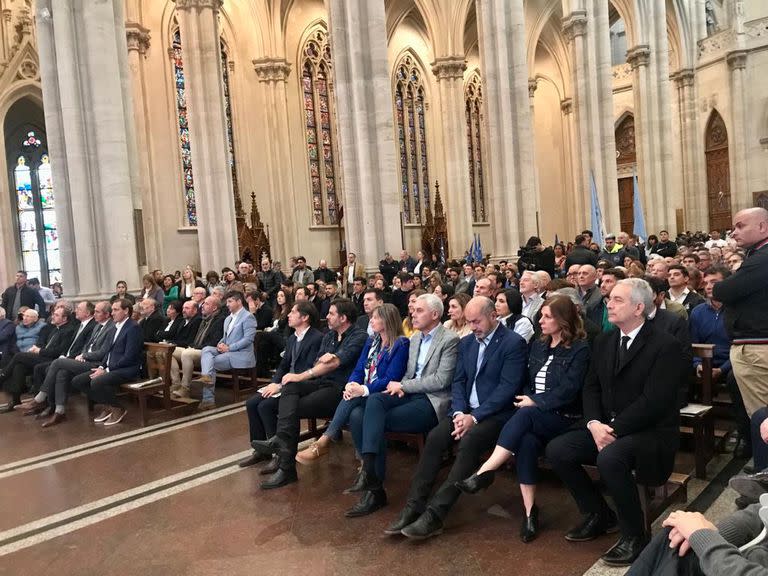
(623, 349)
(94, 336)
(79, 331)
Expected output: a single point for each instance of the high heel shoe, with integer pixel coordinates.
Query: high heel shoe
(476, 482)
(530, 527)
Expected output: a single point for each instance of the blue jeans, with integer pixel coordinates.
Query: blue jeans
(526, 434)
(343, 415)
(413, 413)
(759, 448)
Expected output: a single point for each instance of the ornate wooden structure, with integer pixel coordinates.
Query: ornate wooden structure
(718, 173)
(626, 161)
(253, 239)
(434, 233)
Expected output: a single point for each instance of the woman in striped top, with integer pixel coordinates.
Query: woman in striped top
(557, 366)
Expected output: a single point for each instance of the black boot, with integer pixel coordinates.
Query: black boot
(593, 525)
(267, 447)
(408, 516)
(371, 501)
(359, 485)
(476, 482)
(625, 551)
(530, 527)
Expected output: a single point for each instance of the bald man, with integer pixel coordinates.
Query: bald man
(745, 300)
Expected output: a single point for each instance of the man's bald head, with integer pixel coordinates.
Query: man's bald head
(750, 227)
(480, 315)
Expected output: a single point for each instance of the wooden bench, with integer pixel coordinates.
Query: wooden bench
(158, 385)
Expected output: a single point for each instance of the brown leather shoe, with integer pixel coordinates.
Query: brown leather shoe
(54, 420)
(309, 455)
(34, 407)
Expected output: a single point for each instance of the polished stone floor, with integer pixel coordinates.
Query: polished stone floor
(169, 499)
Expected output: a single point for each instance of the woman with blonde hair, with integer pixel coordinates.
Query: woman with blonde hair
(557, 366)
(384, 358)
(456, 322)
(407, 324)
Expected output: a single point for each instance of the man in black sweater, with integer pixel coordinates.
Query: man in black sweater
(745, 300)
(19, 294)
(665, 247)
(581, 254)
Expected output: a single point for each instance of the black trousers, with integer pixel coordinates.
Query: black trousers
(101, 390)
(658, 559)
(21, 366)
(316, 398)
(262, 416)
(481, 438)
(615, 462)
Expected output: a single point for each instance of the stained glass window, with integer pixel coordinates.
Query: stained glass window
(473, 98)
(410, 118)
(319, 117)
(36, 215)
(228, 112)
(183, 122)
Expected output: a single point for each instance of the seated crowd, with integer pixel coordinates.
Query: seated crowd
(579, 353)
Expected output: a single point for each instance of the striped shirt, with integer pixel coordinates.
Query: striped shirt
(541, 376)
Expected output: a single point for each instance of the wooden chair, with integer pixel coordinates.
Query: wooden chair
(654, 500)
(159, 358)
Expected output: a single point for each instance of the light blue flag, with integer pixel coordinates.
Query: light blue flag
(597, 214)
(478, 249)
(471, 255)
(638, 212)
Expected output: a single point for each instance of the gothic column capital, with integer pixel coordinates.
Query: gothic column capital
(566, 106)
(575, 25)
(214, 5)
(532, 83)
(684, 77)
(272, 69)
(639, 55)
(449, 67)
(138, 37)
(736, 59)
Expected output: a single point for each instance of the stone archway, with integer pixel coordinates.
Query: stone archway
(718, 173)
(626, 163)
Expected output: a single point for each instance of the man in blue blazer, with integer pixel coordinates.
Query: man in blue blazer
(490, 372)
(234, 350)
(122, 364)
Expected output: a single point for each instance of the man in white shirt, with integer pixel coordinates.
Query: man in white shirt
(530, 290)
(679, 291)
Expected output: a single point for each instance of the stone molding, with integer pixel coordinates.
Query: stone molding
(138, 37)
(566, 106)
(638, 56)
(575, 25)
(214, 5)
(684, 77)
(449, 67)
(272, 69)
(736, 59)
(532, 83)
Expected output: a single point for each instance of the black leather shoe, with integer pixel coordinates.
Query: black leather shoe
(407, 517)
(8, 407)
(625, 551)
(750, 486)
(279, 479)
(594, 525)
(271, 467)
(359, 485)
(530, 527)
(370, 482)
(426, 526)
(267, 447)
(476, 482)
(254, 458)
(371, 501)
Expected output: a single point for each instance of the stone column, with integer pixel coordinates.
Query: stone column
(273, 74)
(457, 196)
(691, 152)
(594, 145)
(216, 230)
(366, 128)
(144, 198)
(576, 205)
(739, 158)
(88, 114)
(511, 170)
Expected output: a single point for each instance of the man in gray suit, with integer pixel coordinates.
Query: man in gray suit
(52, 399)
(414, 405)
(234, 350)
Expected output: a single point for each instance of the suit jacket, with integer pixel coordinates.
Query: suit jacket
(7, 336)
(437, 372)
(151, 325)
(58, 341)
(168, 333)
(264, 317)
(639, 397)
(499, 378)
(239, 338)
(186, 333)
(691, 301)
(125, 353)
(306, 356)
(359, 271)
(592, 299)
(303, 277)
(80, 341)
(29, 297)
(391, 366)
(666, 321)
(97, 348)
(215, 330)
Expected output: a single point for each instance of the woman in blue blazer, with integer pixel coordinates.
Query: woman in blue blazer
(384, 358)
(557, 366)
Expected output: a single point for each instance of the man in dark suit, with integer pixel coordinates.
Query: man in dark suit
(300, 354)
(51, 400)
(632, 419)
(152, 319)
(678, 291)
(122, 364)
(581, 254)
(53, 344)
(490, 372)
(257, 304)
(19, 294)
(190, 324)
